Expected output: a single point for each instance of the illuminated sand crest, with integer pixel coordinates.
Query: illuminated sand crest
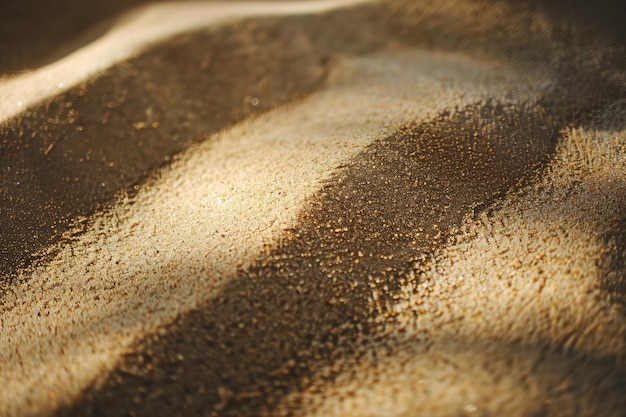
(151, 259)
(133, 32)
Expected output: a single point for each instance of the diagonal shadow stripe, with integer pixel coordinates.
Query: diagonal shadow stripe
(55, 157)
(72, 156)
(320, 326)
(121, 127)
(22, 49)
(309, 303)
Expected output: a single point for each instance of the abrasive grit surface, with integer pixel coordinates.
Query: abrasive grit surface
(430, 224)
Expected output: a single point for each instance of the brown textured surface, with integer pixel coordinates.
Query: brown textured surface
(469, 263)
(72, 156)
(307, 305)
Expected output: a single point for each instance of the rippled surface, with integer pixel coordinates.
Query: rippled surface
(387, 208)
